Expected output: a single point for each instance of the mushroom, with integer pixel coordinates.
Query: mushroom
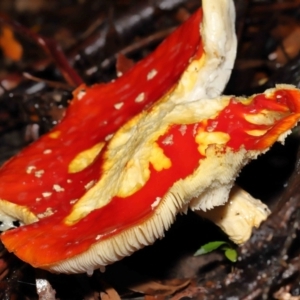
(146, 179)
(111, 177)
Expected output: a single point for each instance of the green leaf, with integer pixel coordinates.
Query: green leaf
(209, 247)
(231, 254)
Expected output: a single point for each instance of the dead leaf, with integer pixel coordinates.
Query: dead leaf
(155, 288)
(11, 48)
(140, 283)
(191, 291)
(109, 293)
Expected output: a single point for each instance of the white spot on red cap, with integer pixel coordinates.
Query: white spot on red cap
(118, 105)
(69, 181)
(183, 129)
(48, 212)
(58, 188)
(140, 98)
(46, 194)
(168, 140)
(155, 203)
(151, 74)
(39, 173)
(195, 129)
(30, 169)
(47, 151)
(212, 126)
(81, 94)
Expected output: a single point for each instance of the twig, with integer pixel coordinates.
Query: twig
(151, 39)
(55, 84)
(51, 48)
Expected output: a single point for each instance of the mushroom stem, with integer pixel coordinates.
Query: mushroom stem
(238, 215)
(44, 289)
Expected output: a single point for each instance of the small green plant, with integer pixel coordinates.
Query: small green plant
(228, 249)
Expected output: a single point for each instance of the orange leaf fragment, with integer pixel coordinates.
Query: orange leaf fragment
(11, 48)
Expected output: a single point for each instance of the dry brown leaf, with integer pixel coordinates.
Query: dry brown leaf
(191, 291)
(109, 293)
(155, 288)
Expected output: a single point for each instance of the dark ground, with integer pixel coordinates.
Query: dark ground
(268, 266)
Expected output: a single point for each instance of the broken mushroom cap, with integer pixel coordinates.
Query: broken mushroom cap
(136, 199)
(74, 176)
